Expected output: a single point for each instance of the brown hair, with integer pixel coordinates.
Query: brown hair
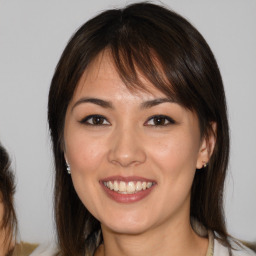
(175, 58)
(8, 224)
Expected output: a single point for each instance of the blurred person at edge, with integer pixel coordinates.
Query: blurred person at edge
(138, 121)
(8, 219)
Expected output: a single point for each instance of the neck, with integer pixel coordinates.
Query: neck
(172, 240)
(3, 243)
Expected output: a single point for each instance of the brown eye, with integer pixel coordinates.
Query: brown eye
(159, 120)
(95, 120)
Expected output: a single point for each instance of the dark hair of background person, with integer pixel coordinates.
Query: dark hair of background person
(7, 190)
(166, 49)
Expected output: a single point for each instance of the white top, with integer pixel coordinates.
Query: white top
(220, 250)
(215, 248)
(45, 250)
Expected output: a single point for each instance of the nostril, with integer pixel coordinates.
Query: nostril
(125, 149)
(127, 159)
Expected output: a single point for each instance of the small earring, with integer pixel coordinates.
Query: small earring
(68, 168)
(205, 164)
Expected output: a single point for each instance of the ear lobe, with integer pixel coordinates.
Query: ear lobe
(207, 146)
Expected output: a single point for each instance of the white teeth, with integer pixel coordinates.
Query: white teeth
(110, 185)
(122, 187)
(116, 187)
(149, 184)
(128, 188)
(138, 186)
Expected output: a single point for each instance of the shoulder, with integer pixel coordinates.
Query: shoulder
(46, 249)
(24, 249)
(238, 249)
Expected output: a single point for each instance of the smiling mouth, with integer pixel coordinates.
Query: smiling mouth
(130, 187)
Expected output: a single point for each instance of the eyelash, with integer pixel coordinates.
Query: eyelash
(93, 119)
(160, 118)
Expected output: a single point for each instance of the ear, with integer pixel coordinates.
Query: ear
(207, 146)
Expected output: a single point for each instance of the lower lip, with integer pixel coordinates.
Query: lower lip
(127, 198)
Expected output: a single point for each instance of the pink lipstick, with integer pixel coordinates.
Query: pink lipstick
(127, 189)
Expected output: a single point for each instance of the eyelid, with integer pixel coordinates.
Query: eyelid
(168, 118)
(85, 120)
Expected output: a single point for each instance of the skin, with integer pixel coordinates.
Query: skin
(129, 143)
(3, 233)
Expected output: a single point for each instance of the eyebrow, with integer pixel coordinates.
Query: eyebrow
(155, 102)
(99, 102)
(108, 104)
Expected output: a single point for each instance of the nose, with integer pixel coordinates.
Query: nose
(126, 148)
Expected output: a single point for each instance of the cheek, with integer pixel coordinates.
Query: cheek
(175, 153)
(84, 153)
(85, 156)
(174, 160)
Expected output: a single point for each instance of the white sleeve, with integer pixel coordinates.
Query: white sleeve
(47, 249)
(239, 250)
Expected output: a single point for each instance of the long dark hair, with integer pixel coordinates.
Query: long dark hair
(8, 224)
(175, 58)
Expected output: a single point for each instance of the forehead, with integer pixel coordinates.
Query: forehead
(102, 78)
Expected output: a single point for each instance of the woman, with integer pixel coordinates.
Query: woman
(137, 115)
(8, 219)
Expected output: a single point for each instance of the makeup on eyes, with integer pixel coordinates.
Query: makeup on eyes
(100, 120)
(159, 120)
(95, 119)
(158, 115)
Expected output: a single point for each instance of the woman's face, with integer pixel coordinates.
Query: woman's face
(133, 155)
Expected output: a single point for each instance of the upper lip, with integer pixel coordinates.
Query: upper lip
(127, 179)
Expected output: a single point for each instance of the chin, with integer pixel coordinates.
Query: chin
(127, 225)
(127, 230)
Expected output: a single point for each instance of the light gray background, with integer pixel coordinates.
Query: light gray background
(32, 36)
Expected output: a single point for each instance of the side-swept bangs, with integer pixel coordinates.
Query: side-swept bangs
(152, 41)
